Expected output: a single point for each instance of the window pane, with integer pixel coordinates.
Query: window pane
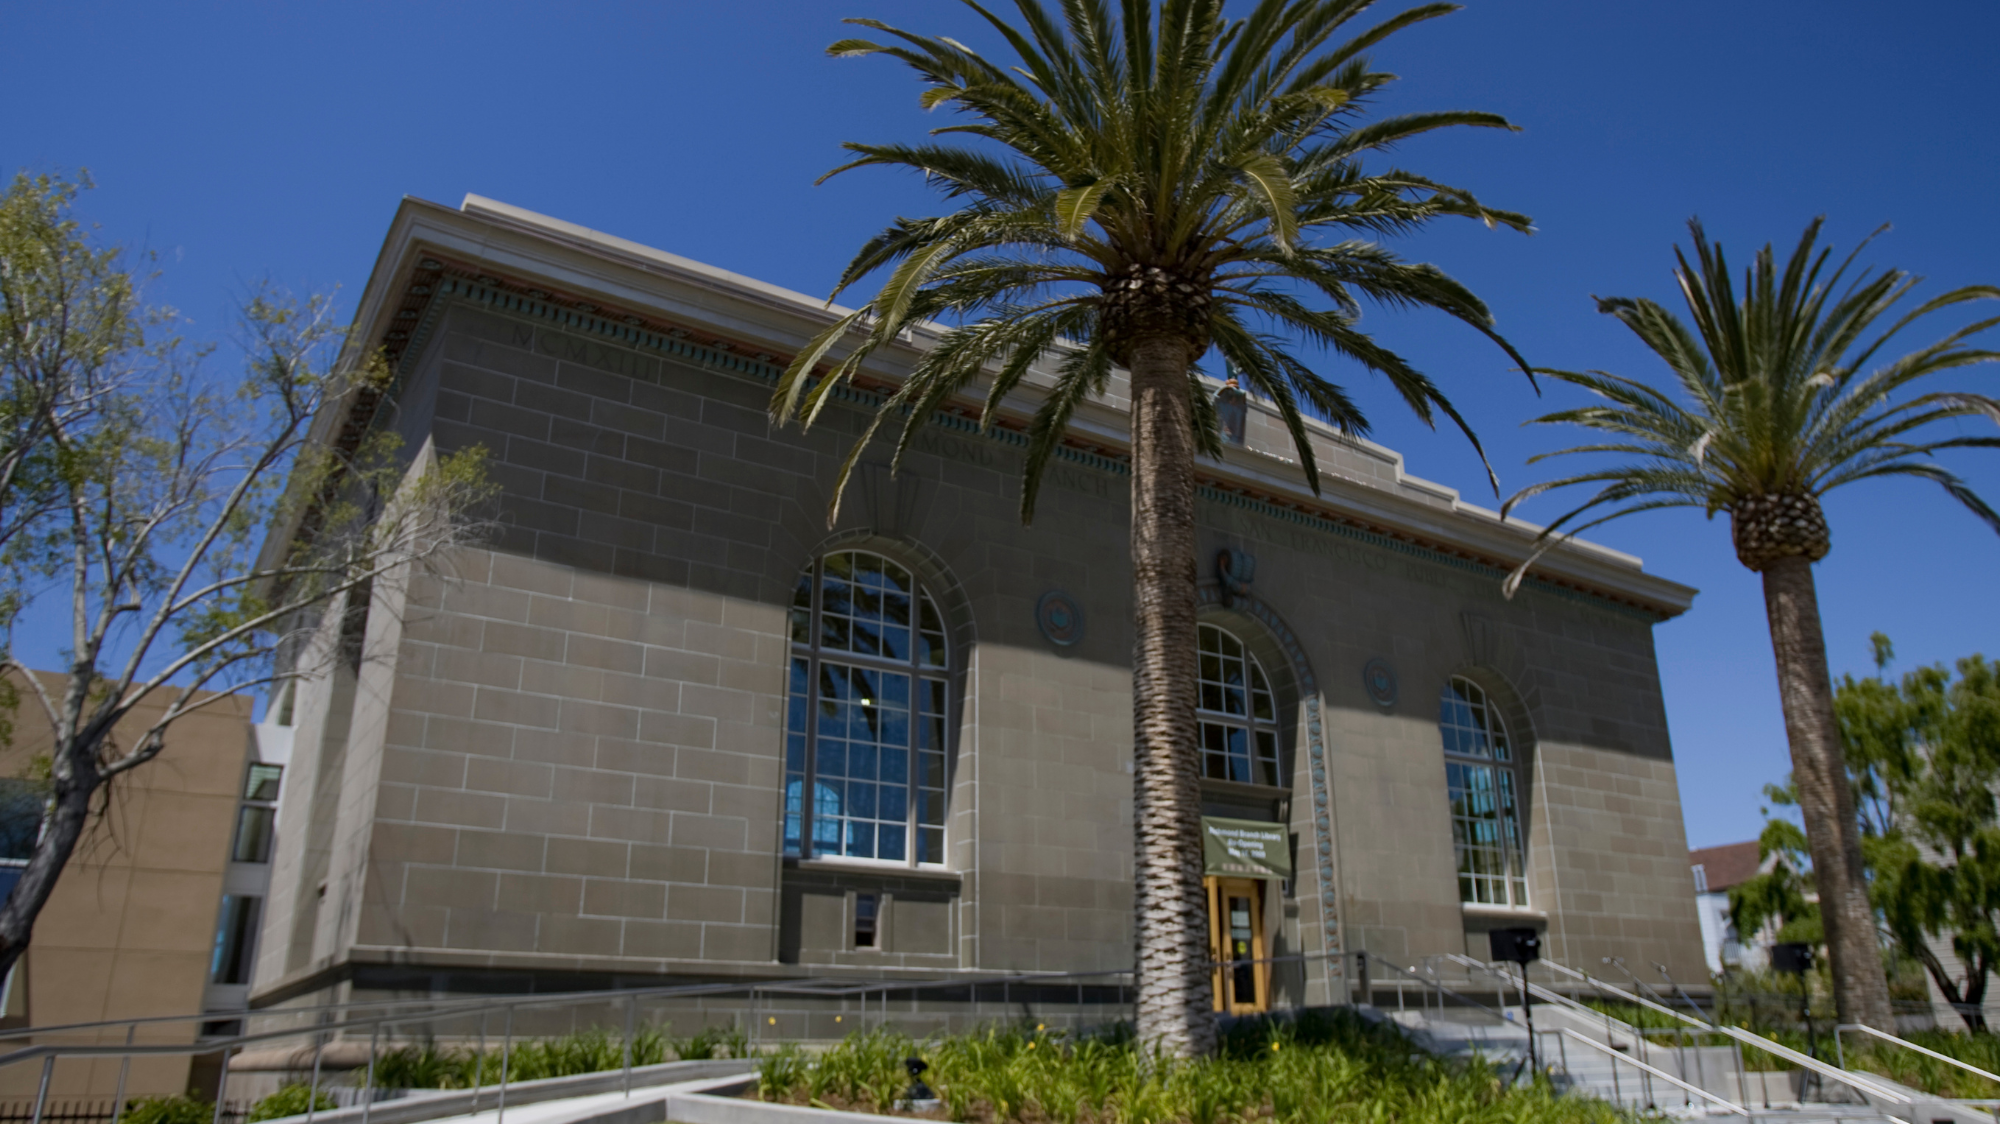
(253, 835)
(263, 782)
(1239, 755)
(794, 814)
(1260, 692)
(1267, 757)
(930, 642)
(1214, 751)
(834, 632)
(21, 805)
(234, 936)
(893, 767)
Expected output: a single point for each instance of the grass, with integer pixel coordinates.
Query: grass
(1319, 1070)
(292, 1100)
(426, 1065)
(1929, 1074)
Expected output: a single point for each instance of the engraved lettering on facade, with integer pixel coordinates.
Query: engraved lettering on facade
(1079, 480)
(969, 450)
(588, 353)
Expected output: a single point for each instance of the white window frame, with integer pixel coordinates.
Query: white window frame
(1483, 793)
(928, 704)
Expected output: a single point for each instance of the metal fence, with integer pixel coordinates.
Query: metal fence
(87, 1111)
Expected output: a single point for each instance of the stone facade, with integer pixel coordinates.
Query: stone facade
(565, 759)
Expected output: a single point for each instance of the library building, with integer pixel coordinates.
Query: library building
(665, 724)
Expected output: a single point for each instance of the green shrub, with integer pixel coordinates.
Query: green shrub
(425, 1065)
(712, 1042)
(168, 1110)
(291, 1100)
(419, 1066)
(1313, 1070)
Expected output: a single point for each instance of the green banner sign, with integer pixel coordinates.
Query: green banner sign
(1245, 849)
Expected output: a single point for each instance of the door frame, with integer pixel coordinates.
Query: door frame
(1218, 890)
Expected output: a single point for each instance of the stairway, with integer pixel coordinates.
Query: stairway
(1584, 1051)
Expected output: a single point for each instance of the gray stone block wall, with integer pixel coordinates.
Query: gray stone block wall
(579, 736)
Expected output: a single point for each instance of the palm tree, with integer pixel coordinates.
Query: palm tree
(1146, 184)
(1786, 400)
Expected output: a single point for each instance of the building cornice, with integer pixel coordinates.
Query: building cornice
(531, 266)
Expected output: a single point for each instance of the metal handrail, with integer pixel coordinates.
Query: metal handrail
(1860, 1082)
(822, 986)
(1662, 1074)
(1906, 1044)
(392, 1011)
(453, 1008)
(1586, 977)
(1438, 985)
(1570, 1003)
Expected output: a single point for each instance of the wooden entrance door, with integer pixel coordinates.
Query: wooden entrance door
(1236, 942)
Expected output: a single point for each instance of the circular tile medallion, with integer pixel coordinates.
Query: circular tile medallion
(1379, 680)
(1059, 617)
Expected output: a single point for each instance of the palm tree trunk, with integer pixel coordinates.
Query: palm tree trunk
(1819, 769)
(1175, 1005)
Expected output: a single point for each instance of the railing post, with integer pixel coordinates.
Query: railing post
(222, 1086)
(312, 1090)
(124, 1070)
(506, 1055)
(1742, 1082)
(1682, 1039)
(1617, 1093)
(1700, 1063)
(478, 1062)
(368, 1090)
(42, 1093)
(631, 1016)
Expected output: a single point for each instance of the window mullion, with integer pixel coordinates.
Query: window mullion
(912, 777)
(809, 776)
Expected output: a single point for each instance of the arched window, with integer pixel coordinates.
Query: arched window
(1485, 812)
(865, 732)
(1239, 737)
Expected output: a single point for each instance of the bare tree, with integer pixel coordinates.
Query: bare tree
(144, 492)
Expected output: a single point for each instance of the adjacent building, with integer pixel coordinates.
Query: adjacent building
(158, 911)
(1717, 870)
(668, 724)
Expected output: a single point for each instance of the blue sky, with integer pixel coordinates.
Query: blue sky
(248, 141)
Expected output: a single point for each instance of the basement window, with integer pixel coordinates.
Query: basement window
(867, 907)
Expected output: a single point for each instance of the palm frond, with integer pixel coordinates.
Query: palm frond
(1124, 134)
(1775, 393)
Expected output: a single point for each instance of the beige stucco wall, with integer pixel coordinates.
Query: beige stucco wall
(130, 929)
